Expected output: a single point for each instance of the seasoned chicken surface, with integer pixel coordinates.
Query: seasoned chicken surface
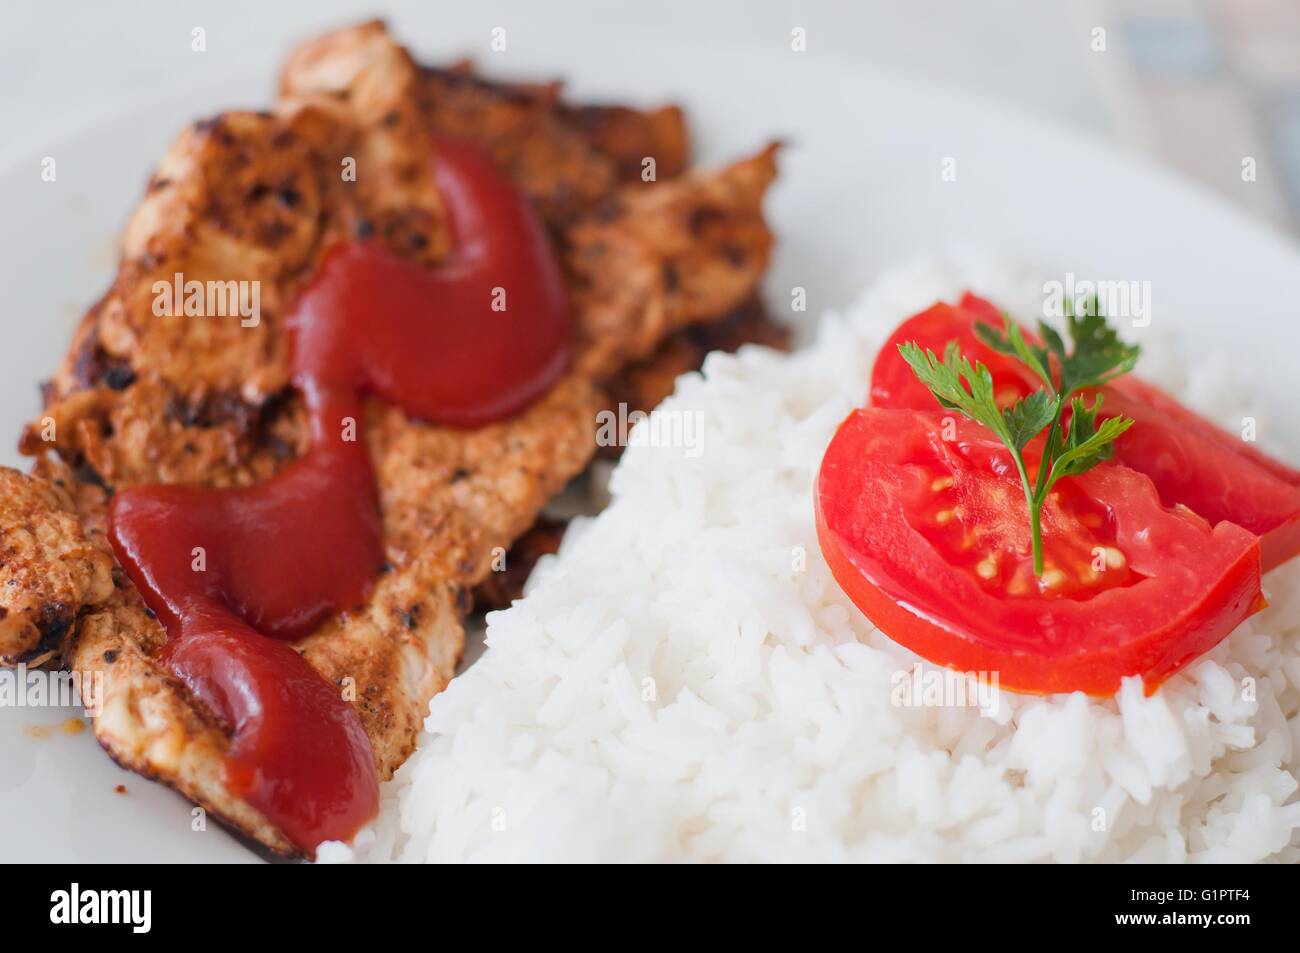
(51, 568)
(143, 398)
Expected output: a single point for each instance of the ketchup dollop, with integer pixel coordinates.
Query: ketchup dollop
(235, 575)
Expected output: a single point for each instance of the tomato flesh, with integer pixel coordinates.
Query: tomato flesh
(1192, 462)
(1172, 588)
(980, 524)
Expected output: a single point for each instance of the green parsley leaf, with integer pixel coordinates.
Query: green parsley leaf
(1095, 356)
(1027, 418)
(1098, 354)
(1011, 341)
(1087, 443)
(957, 384)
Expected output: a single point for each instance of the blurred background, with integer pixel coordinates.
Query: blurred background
(1199, 85)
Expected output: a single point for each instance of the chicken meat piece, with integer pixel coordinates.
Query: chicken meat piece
(52, 568)
(143, 398)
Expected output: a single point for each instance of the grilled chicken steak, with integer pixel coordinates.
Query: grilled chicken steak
(146, 399)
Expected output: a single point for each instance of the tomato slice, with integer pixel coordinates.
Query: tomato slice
(922, 519)
(893, 384)
(1191, 461)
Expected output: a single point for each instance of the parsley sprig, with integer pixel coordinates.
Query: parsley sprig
(1096, 355)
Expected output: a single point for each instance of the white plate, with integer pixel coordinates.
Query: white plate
(860, 190)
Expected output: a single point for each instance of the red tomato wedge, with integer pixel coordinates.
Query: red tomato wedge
(930, 538)
(1191, 461)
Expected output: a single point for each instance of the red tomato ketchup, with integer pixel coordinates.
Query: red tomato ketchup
(236, 574)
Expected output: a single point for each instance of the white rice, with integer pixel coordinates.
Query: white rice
(685, 681)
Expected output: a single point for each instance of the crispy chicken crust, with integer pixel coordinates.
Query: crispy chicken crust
(145, 398)
(51, 568)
